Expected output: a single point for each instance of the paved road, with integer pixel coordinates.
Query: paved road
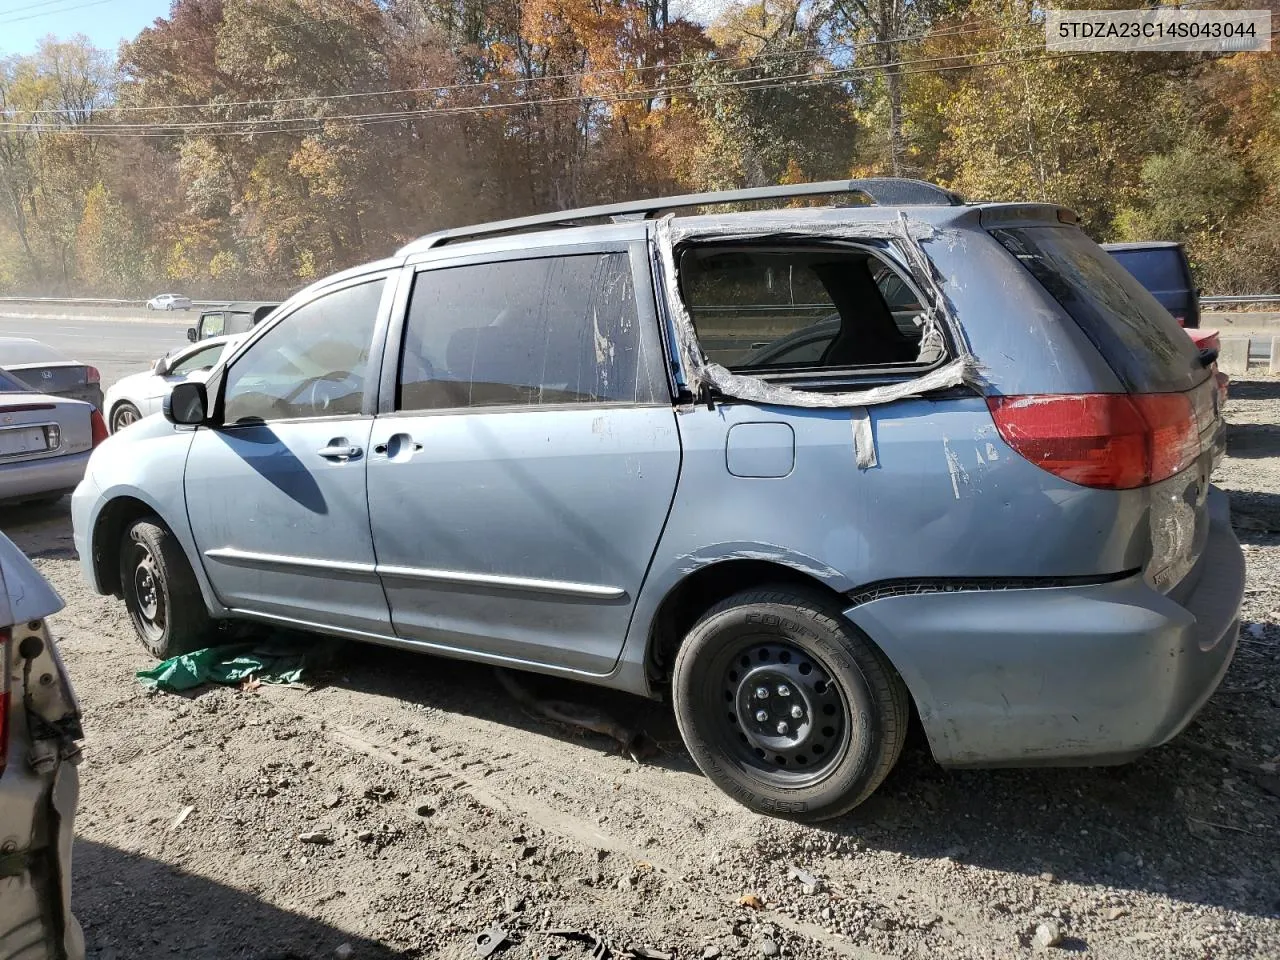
(116, 347)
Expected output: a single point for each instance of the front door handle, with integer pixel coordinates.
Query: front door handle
(340, 452)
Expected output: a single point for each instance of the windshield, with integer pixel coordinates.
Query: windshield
(1139, 339)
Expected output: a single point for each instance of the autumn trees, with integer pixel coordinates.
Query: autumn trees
(243, 147)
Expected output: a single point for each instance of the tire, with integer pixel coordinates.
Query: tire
(123, 414)
(161, 592)
(844, 706)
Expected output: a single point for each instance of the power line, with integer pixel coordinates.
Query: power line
(50, 13)
(798, 80)
(30, 6)
(841, 74)
(249, 126)
(490, 84)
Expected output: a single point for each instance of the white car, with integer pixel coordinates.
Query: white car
(142, 394)
(169, 301)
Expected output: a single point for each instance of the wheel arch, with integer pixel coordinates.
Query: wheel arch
(108, 528)
(701, 589)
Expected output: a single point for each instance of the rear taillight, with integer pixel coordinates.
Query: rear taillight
(1221, 379)
(97, 426)
(1114, 441)
(91, 375)
(5, 637)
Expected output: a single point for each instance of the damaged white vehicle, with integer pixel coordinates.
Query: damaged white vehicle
(39, 783)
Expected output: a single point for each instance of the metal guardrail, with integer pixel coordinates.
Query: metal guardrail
(1247, 298)
(104, 301)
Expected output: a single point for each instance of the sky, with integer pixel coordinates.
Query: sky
(105, 22)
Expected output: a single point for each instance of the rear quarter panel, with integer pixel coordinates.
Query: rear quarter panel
(1021, 337)
(947, 498)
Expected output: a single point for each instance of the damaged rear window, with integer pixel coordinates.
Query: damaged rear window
(1137, 337)
(776, 309)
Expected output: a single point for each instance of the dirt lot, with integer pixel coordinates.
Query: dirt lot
(444, 809)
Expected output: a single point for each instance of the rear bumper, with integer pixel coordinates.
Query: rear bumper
(39, 478)
(1065, 675)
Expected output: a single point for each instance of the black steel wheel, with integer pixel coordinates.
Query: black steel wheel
(789, 716)
(161, 593)
(787, 706)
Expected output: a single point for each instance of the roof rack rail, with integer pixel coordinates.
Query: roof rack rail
(881, 191)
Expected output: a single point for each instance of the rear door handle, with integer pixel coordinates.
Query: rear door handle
(397, 444)
(339, 452)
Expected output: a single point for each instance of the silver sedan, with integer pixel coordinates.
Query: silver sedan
(45, 442)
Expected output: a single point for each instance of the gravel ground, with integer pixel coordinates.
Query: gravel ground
(399, 805)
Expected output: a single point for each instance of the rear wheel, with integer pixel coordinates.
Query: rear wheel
(124, 414)
(787, 706)
(161, 592)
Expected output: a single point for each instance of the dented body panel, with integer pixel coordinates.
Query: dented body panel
(39, 783)
(550, 536)
(1073, 674)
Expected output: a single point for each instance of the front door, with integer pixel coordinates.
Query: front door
(276, 495)
(519, 486)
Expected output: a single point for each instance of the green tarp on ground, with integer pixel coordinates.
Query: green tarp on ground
(232, 663)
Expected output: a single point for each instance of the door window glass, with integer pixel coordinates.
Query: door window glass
(527, 332)
(202, 359)
(311, 364)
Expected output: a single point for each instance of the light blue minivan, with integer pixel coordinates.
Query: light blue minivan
(806, 470)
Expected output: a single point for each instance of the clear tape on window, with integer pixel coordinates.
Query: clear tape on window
(700, 374)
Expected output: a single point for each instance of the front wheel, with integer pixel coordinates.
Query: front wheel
(787, 706)
(124, 414)
(161, 592)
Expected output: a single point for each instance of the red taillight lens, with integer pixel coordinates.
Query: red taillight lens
(5, 637)
(98, 426)
(91, 375)
(1114, 441)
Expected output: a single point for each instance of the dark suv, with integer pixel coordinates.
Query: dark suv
(233, 318)
(1161, 266)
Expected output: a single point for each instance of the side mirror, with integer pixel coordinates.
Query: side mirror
(191, 334)
(187, 404)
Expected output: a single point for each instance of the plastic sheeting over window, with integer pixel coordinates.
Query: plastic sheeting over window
(701, 374)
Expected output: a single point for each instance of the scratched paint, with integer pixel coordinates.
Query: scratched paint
(955, 468)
